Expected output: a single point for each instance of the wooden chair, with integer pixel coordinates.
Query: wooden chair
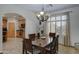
(38, 35)
(52, 34)
(57, 44)
(53, 46)
(27, 46)
(32, 37)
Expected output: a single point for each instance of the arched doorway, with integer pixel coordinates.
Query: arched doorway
(13, 32)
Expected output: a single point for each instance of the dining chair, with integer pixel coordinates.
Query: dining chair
(32, 37)
(38, 35)
(52, 34)
(27, 46)
(57, 43)
(53, 46)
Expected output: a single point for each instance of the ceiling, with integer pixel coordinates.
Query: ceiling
(38, 7)
(35, 7)
(47, 7)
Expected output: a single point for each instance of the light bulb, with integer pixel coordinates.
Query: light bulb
(42, 13)
(38, 15)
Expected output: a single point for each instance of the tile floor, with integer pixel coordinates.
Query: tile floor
(14, 46)
(67, 50)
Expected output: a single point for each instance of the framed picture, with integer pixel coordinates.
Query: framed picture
(23, 25)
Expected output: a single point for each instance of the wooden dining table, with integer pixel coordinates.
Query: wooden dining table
(42, 42)
(42, 45)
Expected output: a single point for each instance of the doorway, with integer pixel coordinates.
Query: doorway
(11, 30)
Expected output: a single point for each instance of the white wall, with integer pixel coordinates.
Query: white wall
(74, 24)
(0, 34)
(31, 21)
(74, 19)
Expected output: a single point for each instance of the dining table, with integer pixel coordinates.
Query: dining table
(42, 41)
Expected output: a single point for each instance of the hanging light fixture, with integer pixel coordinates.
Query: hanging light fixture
(42, 16)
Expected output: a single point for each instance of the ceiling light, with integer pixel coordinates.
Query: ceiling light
(42, 13)
(42, 16)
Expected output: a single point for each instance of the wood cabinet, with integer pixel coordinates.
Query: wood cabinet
(21, 25)
(4, 29)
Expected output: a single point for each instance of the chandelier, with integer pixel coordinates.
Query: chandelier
(42, 15)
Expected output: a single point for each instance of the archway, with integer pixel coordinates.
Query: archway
(13, 28)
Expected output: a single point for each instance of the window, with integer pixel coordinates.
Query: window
(58, 17)
(64, 17)
(58, 25)
(52, 18)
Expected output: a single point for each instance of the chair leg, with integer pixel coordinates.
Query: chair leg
(26, 52)
(23, 51)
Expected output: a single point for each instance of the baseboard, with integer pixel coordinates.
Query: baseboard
(1, 52)
(66, 45)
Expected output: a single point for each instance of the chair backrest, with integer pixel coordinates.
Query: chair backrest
(27, 44)
(57, 42)
(54, 45)
(51, 44)
(38, 35)
(52, 34)
(32, 36)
